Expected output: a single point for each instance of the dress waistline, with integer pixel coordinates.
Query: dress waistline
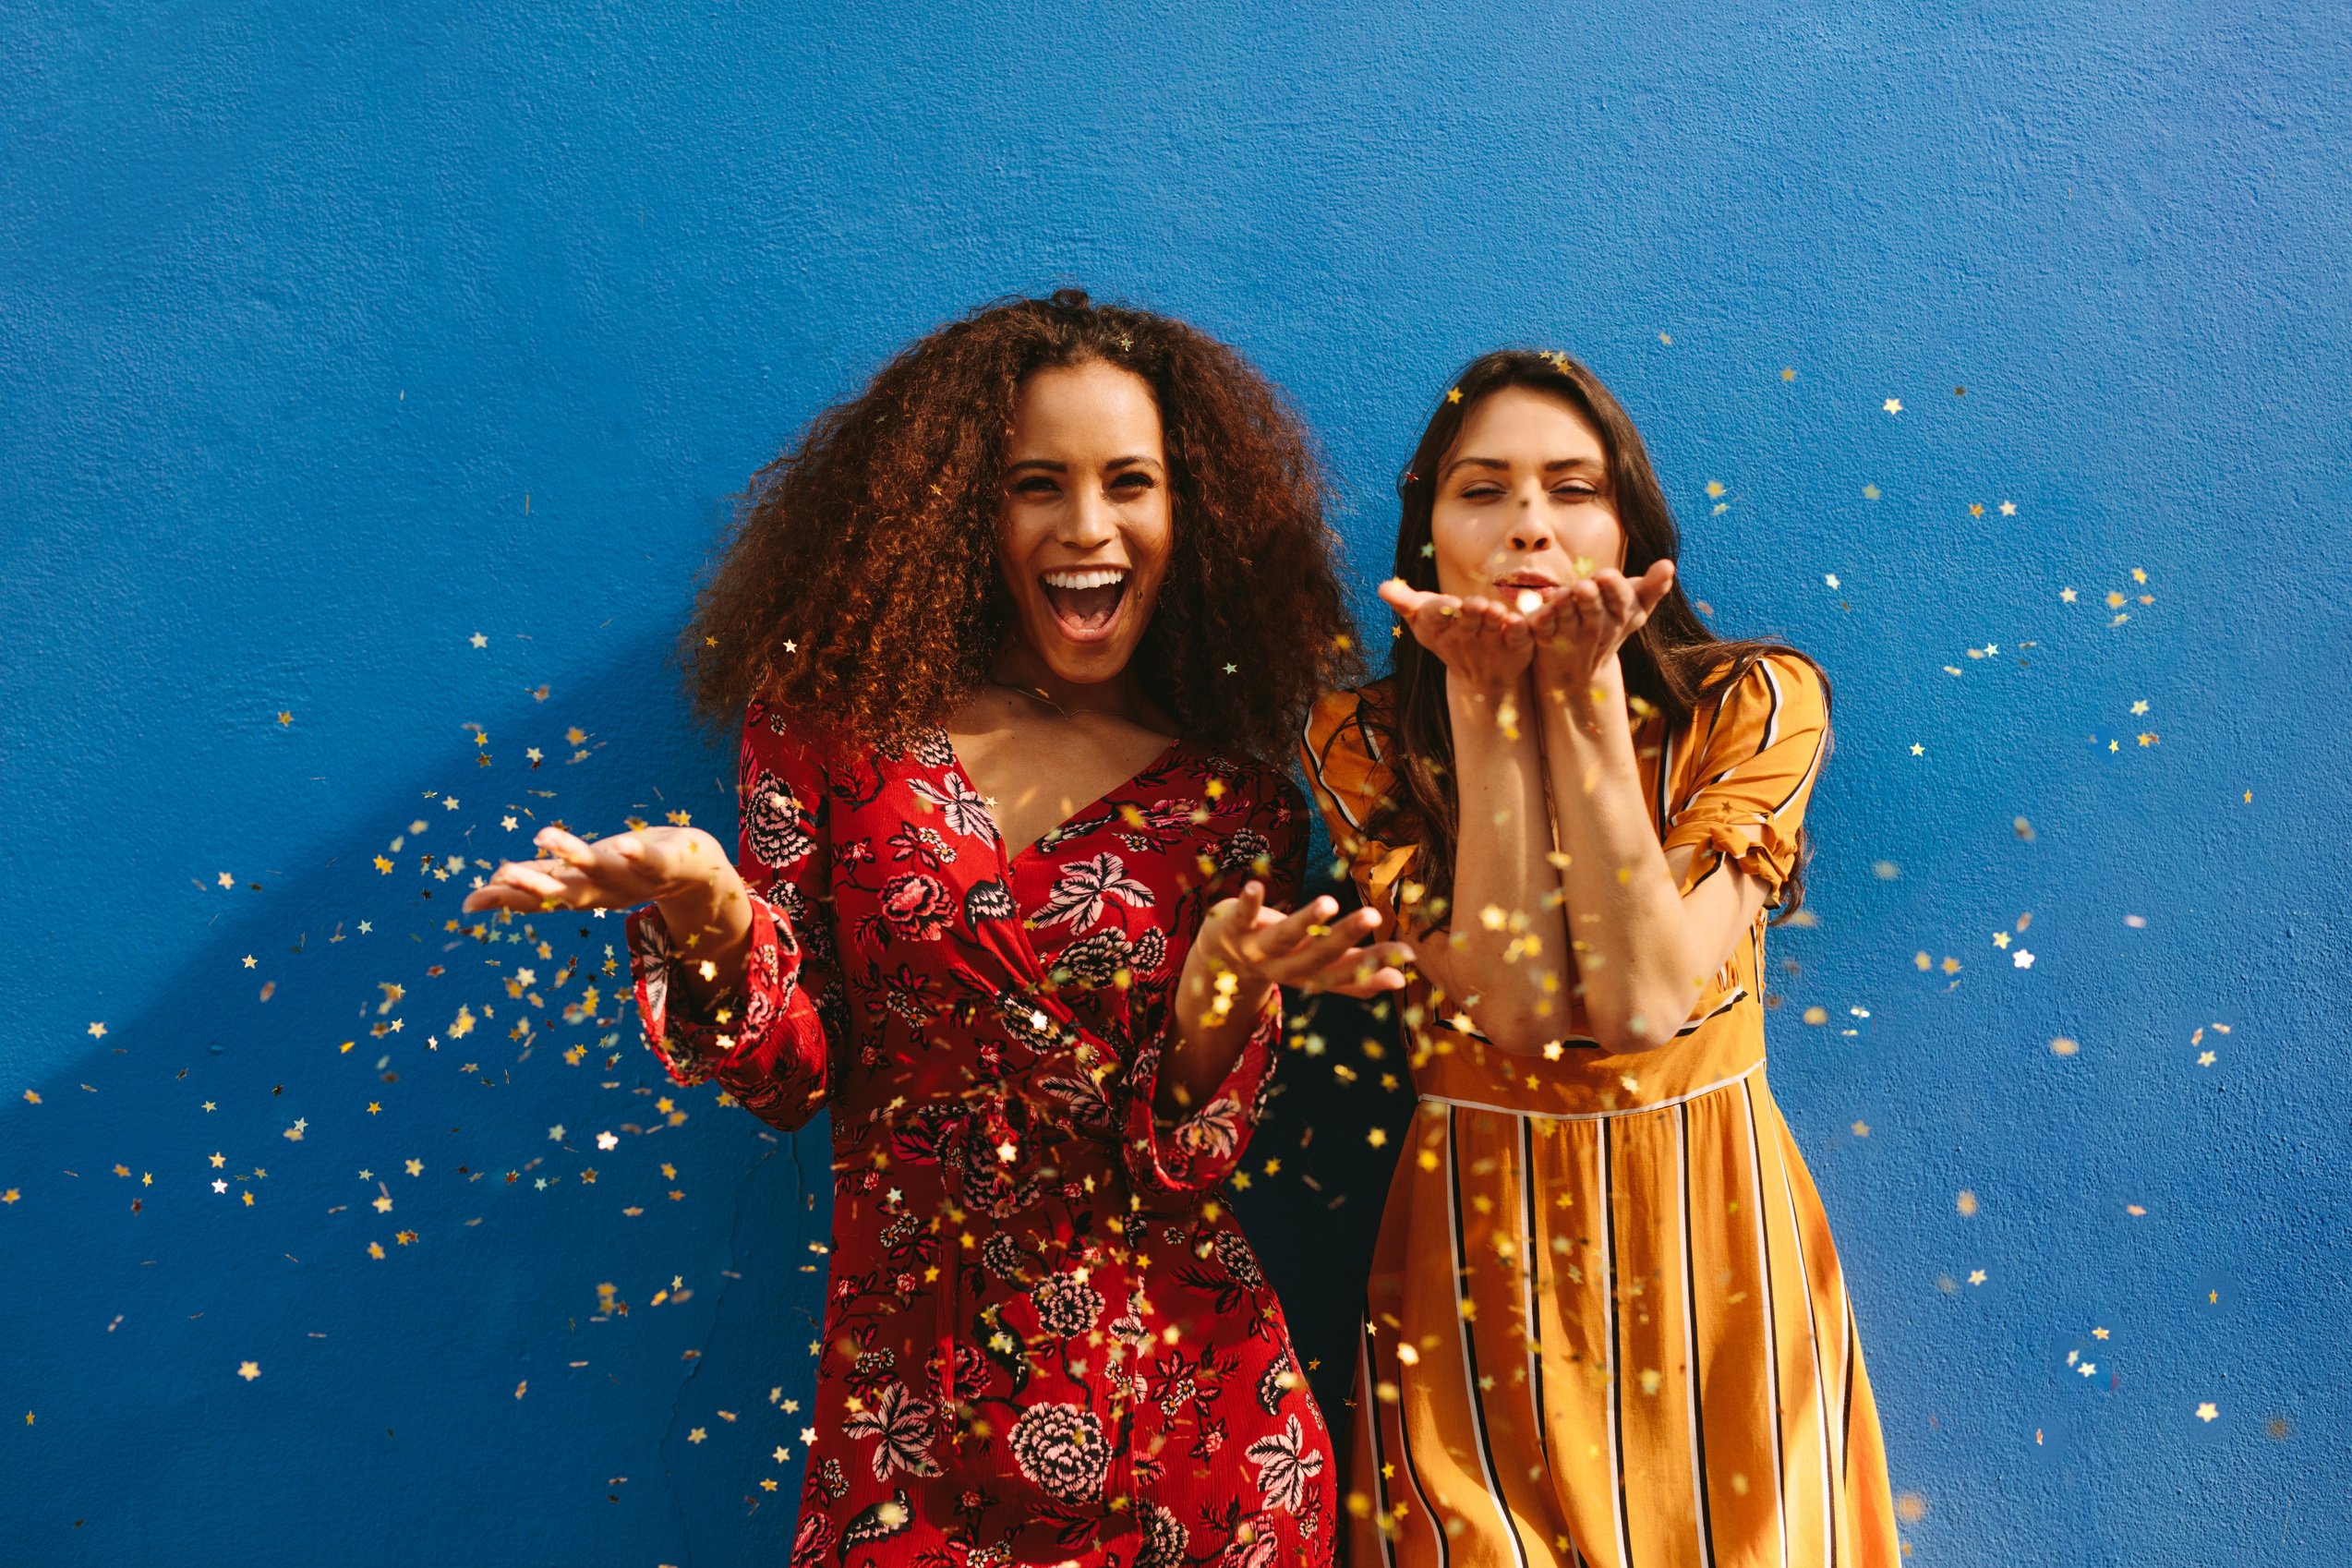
(1701, 1090)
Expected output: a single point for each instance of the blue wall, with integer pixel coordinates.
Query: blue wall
(331, 338)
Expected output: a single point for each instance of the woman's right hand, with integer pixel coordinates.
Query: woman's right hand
(1484, 644)
(671, 866)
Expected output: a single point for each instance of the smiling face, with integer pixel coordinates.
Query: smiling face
(1522, 501)
(1084, 523)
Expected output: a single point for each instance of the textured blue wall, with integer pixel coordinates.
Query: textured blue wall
(333, 338)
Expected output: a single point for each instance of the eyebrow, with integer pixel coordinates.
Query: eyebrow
(1554, 466)
(1132, 461)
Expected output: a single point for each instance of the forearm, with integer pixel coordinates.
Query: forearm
(1506, 947)
(710, 924)
(1625, 915)
(1209, 1031)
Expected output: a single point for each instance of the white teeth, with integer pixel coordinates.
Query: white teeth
(1096, 577)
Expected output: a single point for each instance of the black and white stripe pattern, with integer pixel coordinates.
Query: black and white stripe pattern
(1469, 1351)
(1693, 1382)
(1771, 1330)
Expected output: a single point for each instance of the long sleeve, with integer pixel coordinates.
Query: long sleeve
(1761, 743)
(772, 1051)
(1356, 790)
(1201, 1150)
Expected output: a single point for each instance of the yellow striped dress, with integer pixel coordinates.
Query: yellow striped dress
(1606, 1324)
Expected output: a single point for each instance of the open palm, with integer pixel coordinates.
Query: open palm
(618, 873)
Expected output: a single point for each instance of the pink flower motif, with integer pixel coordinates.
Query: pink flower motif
(916, 906)
(1284, 1465)
(902, 1423)
(1215, 1131)
(813, 1540)
(1061, 1451)
(1086, 888)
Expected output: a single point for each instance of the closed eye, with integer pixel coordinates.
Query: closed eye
(1036, 485)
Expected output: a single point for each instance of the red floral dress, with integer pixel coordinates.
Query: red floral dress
(1045, 1340)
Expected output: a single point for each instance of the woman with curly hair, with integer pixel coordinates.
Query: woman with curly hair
(1018, 637)
(1581, 806)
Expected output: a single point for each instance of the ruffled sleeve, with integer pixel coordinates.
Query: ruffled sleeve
(766, 1041)
(1198, 1153)
(1358, 792)
(1761, 741)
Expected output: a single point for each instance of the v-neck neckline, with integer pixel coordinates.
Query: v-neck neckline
(1006, 857)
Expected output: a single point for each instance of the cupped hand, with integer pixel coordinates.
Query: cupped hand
(1579, 629)
(650, 865)
(1485, 644)
(1307, 951)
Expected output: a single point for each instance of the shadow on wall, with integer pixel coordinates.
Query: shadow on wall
(398, 1222)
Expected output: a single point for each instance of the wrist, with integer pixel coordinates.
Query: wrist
(1471, 690)
(1585, 692)
(709, 911)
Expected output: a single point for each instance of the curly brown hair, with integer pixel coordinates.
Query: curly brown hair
(858, 593)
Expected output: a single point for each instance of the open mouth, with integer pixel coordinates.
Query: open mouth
(1085, 601)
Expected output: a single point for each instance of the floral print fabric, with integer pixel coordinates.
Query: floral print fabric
(1044, 1339)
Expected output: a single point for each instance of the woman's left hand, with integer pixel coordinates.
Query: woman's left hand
(1579, 629)
(1260, 947)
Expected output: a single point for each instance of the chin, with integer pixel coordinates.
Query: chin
(1081, 664)
(1087, 635)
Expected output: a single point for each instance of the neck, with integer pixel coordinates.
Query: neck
(1018, 665)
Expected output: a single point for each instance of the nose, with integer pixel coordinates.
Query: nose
(1529, 530)
(1090, 520)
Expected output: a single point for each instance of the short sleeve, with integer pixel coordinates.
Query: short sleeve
(1357, 791)
(1203, 1148)
(1761, 742)
(772, 1049)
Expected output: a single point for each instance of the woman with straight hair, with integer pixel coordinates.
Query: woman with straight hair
(1019, 638)
(1606, 1324)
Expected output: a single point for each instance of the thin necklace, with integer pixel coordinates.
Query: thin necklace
(1035, 693)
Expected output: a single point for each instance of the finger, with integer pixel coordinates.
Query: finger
(565, 847)
(1549, 619)
(1241, 912)
(1619, 596)
(1412, 602)
(532, 879)
(1359, 970)
(1318, 945)
(1277, 942)
(1655, 583)
(497, 897)
(1368, 981)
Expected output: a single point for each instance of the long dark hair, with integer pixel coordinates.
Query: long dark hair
(1673, 663)
(859, 595)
